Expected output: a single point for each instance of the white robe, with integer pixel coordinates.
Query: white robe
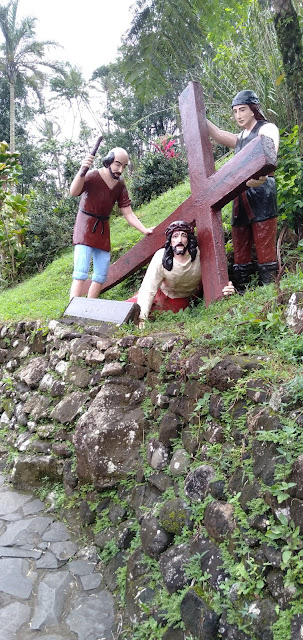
(181, 282)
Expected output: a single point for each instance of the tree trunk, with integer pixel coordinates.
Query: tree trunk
(12, 144)
(289, 37)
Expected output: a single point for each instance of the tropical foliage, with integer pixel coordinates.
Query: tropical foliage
(23, 58)
(159, 170)
(289, 35)
(127, 121)
(13, 217)
(167, 38)
(49, 229)
(251, 60)
(290, 181)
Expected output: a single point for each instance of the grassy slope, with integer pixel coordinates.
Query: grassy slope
(46, 295)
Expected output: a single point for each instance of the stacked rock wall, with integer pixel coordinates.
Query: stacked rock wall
(185, 469)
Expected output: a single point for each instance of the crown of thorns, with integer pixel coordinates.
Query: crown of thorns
(179, 225)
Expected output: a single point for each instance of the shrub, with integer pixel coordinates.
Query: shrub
(289, 177)
(13, 217)
(159, 171)
(50, 230)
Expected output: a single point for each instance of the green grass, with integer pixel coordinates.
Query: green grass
(42, 297)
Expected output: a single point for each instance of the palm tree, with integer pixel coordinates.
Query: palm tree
(49, 131)
(73, 88)
(162, 39)
(104, 76)
(22, 58)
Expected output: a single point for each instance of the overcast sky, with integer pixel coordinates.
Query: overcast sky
(89, 30)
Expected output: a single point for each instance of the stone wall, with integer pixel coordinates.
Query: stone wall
(184, 468)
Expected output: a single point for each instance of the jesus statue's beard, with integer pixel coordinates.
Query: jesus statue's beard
(180, 249)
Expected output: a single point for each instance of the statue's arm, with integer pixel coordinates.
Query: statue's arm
(221, 136)
(150, 285)
(78, 181)
(133, 221)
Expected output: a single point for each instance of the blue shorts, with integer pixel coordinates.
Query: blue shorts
(82, 260)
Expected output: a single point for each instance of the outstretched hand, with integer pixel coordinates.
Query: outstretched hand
(229, 289)
(148, 231)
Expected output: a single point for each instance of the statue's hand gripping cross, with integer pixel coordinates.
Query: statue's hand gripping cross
(210, 191)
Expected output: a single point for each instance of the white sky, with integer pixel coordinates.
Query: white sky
(89, 30)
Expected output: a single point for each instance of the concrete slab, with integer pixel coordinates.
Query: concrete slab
(92, 616)
(115, 312)
(12, 617)
(13, 580)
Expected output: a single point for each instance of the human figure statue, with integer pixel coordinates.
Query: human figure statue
(100, 189)
(254, 218)
(173, 277)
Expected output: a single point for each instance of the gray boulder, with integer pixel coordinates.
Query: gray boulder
(109, 435)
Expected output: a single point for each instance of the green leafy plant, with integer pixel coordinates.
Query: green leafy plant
(170, 603)
(53, 493)
(147, 629)
(50, 223)
(292, 553)
(121, 584)
(13, 216)
(295, 388)
(102, 521)
(289, 177)
(280, 490)
(202, 406)
(44, 488)
(159, 171)
(109, 551)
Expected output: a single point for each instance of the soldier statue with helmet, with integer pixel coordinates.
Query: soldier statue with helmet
(173, 277)
(254, 219)
(100, 189)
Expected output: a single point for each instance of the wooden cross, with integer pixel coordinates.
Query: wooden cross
(210, 191)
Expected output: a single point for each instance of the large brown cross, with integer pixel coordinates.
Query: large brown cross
(210, 191)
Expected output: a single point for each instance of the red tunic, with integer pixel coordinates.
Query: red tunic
(98, 200)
